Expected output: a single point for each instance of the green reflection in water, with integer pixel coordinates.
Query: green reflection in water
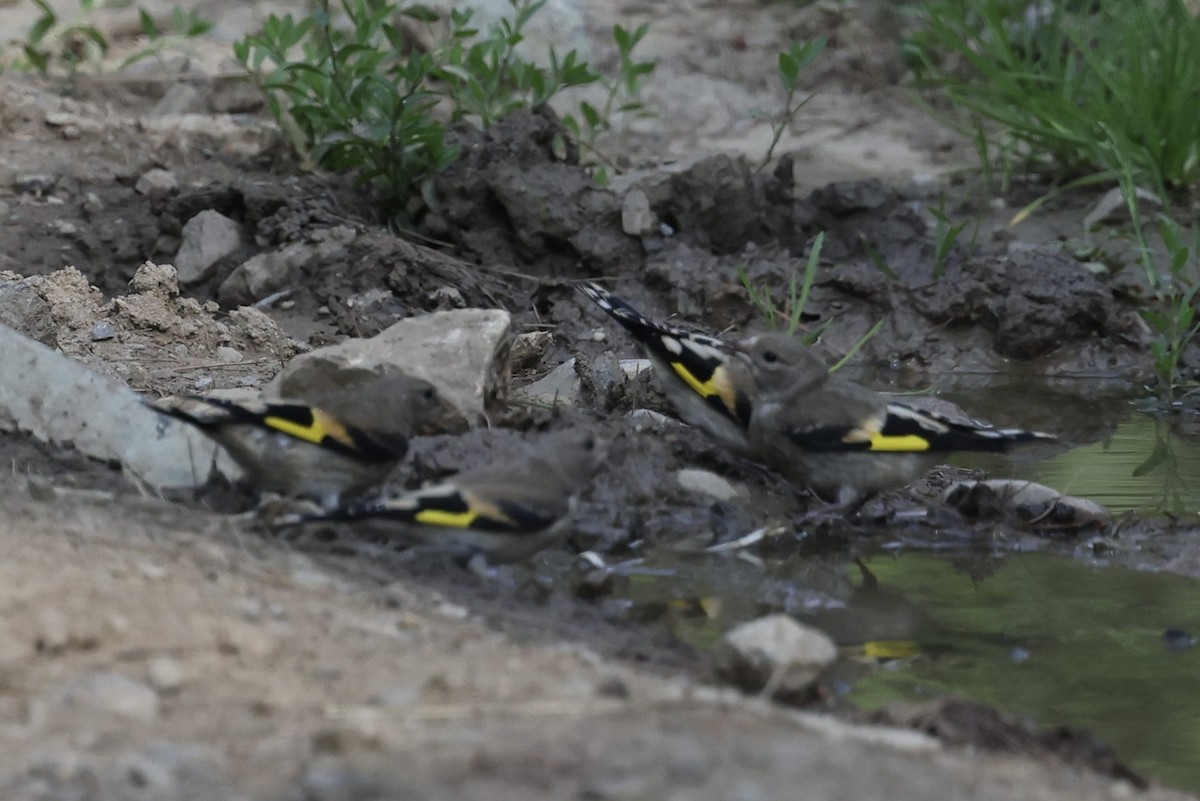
(1142, 467)
(1096, 656)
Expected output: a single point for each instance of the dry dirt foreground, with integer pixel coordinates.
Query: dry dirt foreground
(150, 651)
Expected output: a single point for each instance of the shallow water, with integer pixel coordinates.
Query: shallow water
(1041, 634)
(1143, 466)
(1064, 642)
(1116, 453)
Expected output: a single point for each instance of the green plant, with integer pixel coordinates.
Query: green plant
(51, 41)
(183, 25)
(362, 97)
(796, 58)
(945, 236)
(1072, 91)
(788, 317)
(1173, 318)
(53, 44)
(622, 93)
(485, 78)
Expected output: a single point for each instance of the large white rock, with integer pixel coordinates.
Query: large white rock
(776, 654)
(464, 353)
(59, 400)
(206, 239)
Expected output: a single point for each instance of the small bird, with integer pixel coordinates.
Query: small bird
(842, 440)
(503, 512)
(325, 447)
(693, 370)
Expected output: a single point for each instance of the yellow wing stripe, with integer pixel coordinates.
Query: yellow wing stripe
(704, 389)
(322, 427)
(907, 443)
(891, 649)
(438, 517)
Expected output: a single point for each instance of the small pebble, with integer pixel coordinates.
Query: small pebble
(1019, 655)
(203, 382)
(103, 330)
(228, 355)
(165, 674)
(35, 183)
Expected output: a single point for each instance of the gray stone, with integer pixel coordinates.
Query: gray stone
(529, 348)
(464, 353)
(706, 483)
(713, 195)
(774, 654)
(22, 308)
(156, 183)
(35, 183)
(263, 274)
(103, 330)
(207, 238)
(331, 780)
(1028, 503)
(637, 219)
(168, 771)
(111, 693)
(59, 400)
(165, 674)
(560, 385)
(228, 355)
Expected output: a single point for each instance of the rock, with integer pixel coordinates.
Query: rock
(228, 355)
(170, 771)
(637, 219)
(206, 239)
(713, 197)
(464, 353)
(1032, 505)
(111, 693)
(23, 309)
(774, 654)
(563, 385)
(331, 780)
(103, 330)
(165, 674)
(846, 197)
(265, 273)
(560, 385)
(529, 348)
(38, 184)
(156, 183)
(706, 483)
(59, 400)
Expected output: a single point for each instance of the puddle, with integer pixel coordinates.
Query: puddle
(1040, 634)
(1143, 466)
(1063, 642)
(1123, 458)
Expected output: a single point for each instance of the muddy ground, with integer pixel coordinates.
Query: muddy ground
(163, 648)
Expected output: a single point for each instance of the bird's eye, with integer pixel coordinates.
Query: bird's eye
(770, 356)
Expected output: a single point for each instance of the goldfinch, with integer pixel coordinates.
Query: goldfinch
(504, 512)
(842, 440)
(693, 370)
(326, 447)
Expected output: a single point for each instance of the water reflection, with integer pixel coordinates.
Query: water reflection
(1107, 649)
(1143, 466)
(1098, 648)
